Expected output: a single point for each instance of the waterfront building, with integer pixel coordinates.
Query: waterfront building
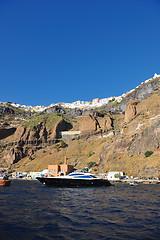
(115, 175)
(60, 170)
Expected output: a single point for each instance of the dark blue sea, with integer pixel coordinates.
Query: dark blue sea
(30, 210)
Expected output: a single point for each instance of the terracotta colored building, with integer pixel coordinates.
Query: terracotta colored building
(60, 170)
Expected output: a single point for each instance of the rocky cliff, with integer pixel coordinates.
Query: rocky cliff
(138, 94)
(114, 137)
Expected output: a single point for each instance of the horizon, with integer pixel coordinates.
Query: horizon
(65, 51)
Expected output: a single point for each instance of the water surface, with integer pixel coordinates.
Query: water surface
(30, 210)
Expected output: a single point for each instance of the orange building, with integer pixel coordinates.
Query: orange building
(60, 170)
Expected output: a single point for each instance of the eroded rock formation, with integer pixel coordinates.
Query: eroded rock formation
(130, 111)
(89, 123)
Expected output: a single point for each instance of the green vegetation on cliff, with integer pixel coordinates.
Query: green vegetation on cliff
(50, 120)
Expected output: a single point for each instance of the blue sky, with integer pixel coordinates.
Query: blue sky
(66, 50)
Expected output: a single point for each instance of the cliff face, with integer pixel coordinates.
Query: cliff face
(140, 93)
(26, 141)
(139, 133)
(115, 140)
(7, 109)
(91, 124)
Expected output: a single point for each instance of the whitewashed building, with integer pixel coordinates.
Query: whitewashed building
(114, 175)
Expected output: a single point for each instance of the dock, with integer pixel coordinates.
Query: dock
(138, 181)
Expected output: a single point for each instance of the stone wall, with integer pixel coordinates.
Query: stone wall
(69, 134)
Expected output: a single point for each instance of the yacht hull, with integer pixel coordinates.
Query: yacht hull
(73, 182)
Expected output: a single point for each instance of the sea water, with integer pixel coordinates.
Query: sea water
(30, 210)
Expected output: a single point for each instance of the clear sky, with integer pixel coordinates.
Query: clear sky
(67, 50)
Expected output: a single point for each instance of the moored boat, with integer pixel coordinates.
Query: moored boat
(132, 184)
(4, 182)
(75, 180)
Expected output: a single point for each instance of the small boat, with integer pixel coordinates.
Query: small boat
(132, 184)
(4, 182)
(75, 180)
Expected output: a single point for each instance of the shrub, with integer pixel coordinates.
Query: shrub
(117, 175)
(117, 103)
(30, 158)
(148, 153)
(59, 114)
(95, 170)
(62, 144)
(112, 100)
(60, 162)
(90, 164)
(91, 153)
